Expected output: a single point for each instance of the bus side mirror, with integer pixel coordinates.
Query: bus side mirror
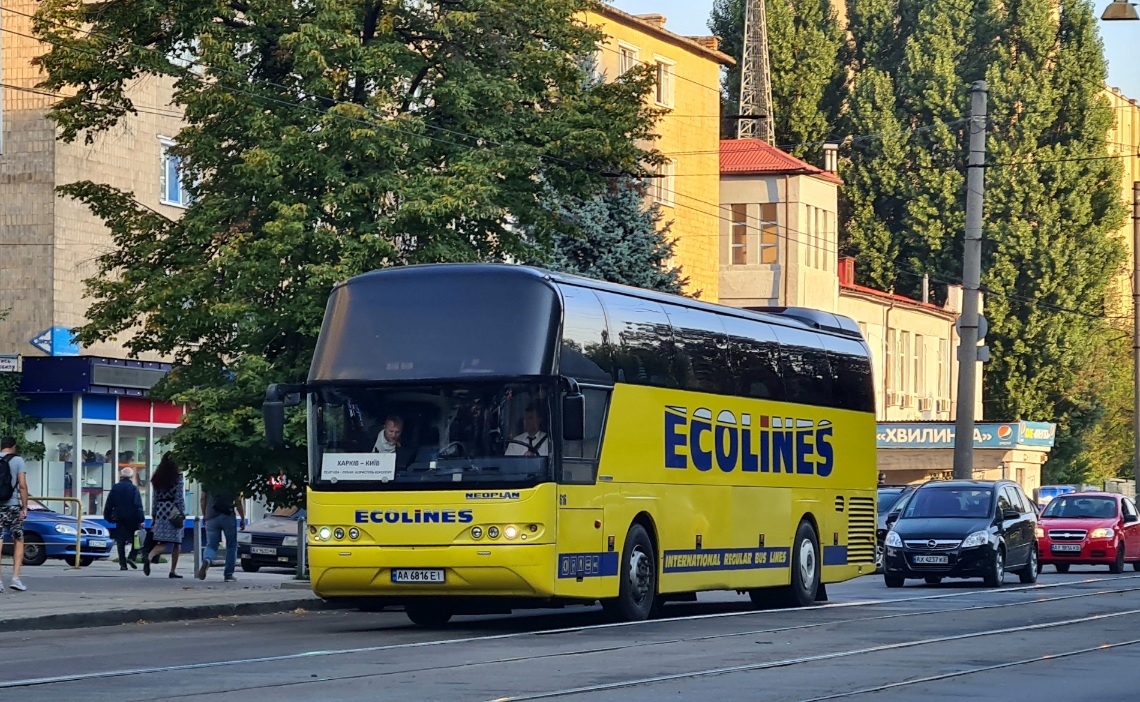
(277, 398)
(574, 417)
(273, 414)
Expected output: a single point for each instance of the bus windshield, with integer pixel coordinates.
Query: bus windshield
(433, 436)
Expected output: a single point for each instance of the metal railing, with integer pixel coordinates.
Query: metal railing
(78, 521)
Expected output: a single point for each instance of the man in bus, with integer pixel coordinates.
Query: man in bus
(533, 441)
(389, 439)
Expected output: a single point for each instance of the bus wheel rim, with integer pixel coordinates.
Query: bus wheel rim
(807, 563)
(639, 575)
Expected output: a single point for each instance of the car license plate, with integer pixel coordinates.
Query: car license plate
(931, 560)
(97, 544)
(407, 575)
(263, 550)
(1066, 548)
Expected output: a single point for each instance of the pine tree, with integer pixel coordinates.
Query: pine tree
(615, 237)
(804, 45)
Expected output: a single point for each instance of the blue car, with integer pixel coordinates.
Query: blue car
(49, 534)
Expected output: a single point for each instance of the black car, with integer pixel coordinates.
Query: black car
(271, 542)
(962, 529)
(888, 496)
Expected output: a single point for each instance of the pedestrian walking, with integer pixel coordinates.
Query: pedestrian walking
(124, 509)
(169, 512)
(219, 508)
(13, 507)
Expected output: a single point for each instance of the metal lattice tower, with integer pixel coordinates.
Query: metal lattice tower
(756, 120)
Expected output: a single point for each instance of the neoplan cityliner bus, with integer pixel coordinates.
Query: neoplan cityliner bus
(484, 437)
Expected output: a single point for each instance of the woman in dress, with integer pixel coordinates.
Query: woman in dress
(169, 503)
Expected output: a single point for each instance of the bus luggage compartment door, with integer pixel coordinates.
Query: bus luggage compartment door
(586, 565)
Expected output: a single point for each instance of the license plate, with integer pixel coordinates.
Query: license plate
(263, 550)
(407, 575)
(97, 544)
(931, 560)
(1066, 548)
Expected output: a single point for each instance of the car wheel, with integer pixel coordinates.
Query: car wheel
(932, 580)
(1028, 574)
(250, 567)
(1062, 567)
(1136, 566)
(879, 553)
(995, 578)
(637, 590)
(85, 561)
(428, 613)
(893, 580)
(35, 553)
(1117, 566)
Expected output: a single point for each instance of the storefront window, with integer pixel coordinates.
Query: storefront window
(59, 470)
(134, 452)
(160, 444)
(97, 473)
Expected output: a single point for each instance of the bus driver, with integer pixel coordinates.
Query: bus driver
(389, 439)
(533, 441)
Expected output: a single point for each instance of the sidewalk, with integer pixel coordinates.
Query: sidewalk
(61, 597)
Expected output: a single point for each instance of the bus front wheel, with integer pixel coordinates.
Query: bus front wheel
(637, 594)
(427, 613)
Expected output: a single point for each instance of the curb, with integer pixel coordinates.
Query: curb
(155, 615)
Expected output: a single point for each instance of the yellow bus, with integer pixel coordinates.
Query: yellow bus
(485, 437)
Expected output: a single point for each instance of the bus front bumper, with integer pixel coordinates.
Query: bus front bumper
(525, 571)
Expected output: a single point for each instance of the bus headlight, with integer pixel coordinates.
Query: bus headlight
(511, 532)
(339, 533)
(476, 532)
(324, 534)
(493, 532)
(354, 533)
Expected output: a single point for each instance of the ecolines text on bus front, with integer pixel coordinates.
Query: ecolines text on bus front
(731, 443)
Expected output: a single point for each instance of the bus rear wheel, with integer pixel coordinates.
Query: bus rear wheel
(637, 594)
(428, 613)
(806, 568)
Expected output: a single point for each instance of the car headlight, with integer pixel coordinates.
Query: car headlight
(289, 541)
(1101, 533)
(1039, 533)
(66, 529)
(894, 540)
(245, 538)
(978, 538)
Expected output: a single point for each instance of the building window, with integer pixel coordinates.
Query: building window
(663, 184)
(769, 233)
(901, 358)
(944, 368)
(919, 365)
(627, 58)
(739, 234)
(664, 87)
(172, 190)
(892, 372)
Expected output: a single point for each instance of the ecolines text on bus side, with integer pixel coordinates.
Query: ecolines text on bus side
(731, 443)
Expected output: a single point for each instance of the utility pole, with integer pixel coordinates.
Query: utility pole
(971, 281)
(1136, 333)
(757, 120)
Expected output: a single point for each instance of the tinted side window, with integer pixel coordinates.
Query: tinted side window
(755, 357)
(701, 351)
(580, 458)
(1004, 501)
(585, 353)
(804, 365)
(642, 341)
(851, 373)
(1129, 508)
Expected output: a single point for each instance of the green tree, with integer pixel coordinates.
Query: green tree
(322, 140)
(14, 422)
(616, 237)
(804, 45)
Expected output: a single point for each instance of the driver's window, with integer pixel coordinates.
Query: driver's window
(580, 458)
(1129, 508)
(1004, 502)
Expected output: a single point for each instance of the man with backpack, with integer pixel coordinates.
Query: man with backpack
(13, 506)
(219, 507)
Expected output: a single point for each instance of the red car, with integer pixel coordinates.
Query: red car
(1089, 528)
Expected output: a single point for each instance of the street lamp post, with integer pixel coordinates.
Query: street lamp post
(1120, 10)
(1136, 332)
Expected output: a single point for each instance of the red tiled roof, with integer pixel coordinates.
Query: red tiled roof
(753, 156)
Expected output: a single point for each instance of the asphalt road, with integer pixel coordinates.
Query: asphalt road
(1071, 637)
